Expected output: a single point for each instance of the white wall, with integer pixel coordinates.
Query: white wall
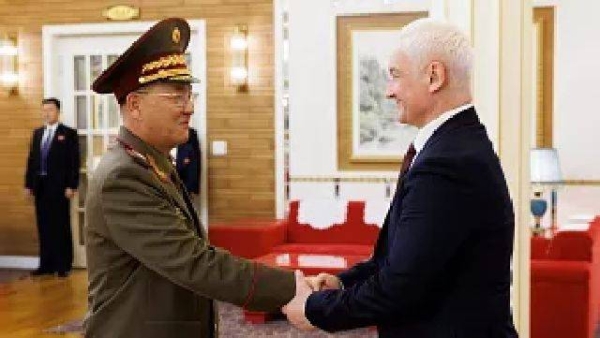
(576, 109)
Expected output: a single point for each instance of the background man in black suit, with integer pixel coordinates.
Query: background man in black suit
(441, 266)
(188, 163)
(52, 176)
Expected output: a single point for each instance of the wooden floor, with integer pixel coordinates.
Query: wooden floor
(32, 305)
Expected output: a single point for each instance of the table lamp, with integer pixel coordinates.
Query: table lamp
(545, 170)
(538, 207)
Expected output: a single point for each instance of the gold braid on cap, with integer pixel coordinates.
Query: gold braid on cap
(166, 73)
(164, 62)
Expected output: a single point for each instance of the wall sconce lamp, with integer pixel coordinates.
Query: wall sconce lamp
(239, 54)
(9, 64)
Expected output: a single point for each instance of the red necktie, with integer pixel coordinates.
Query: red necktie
(408, 158)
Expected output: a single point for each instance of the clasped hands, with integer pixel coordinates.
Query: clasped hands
(294, 310)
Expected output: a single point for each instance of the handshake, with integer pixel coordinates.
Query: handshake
(294, 310)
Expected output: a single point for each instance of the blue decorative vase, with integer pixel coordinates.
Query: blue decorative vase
(538, 207)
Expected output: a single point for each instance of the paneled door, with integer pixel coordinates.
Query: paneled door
(77, 59)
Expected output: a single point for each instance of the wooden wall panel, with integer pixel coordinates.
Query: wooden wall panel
(241, 184)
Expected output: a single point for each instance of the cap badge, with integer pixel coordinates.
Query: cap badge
(176, 35)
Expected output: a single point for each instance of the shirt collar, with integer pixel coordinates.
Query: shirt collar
(52, 127)
(425, 133)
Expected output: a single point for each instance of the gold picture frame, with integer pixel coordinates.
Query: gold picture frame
(367, 137)
(543, 20)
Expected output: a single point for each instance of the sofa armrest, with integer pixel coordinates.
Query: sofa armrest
(248, 238)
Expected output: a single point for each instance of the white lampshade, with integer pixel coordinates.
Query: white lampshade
(544, 166)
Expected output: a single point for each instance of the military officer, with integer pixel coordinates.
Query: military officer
(152, 271)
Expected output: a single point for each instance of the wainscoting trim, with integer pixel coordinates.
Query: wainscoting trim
(19, 262)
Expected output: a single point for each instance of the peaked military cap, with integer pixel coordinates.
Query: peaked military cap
(158, 55)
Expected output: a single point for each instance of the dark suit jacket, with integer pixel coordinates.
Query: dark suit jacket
(441, 266)
(188, 162)
(63, 159)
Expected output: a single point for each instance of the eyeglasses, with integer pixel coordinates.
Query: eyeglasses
(180, 100)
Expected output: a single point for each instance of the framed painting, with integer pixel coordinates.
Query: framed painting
(369, 136)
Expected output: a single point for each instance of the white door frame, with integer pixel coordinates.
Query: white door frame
(51, 34)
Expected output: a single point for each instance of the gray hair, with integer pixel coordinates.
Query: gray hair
(426, 40)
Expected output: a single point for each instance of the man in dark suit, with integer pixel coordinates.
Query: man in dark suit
(441, 265)
(188, 161)
(52, 177)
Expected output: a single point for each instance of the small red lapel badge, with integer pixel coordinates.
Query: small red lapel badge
(60, 137)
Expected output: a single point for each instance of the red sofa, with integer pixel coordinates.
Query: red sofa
(269, 240)
(253, 238)
(565, 284)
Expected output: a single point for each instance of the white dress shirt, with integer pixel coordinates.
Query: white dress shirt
(173, 154)
(48, 132)
(425, 133)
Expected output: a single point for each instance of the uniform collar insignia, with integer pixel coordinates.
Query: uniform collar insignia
(136, 155)
(161, 174)
(146, 155)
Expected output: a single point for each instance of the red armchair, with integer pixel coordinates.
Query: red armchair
(565, 284)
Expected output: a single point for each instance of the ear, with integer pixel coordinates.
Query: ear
(437, 76)
(132, 103)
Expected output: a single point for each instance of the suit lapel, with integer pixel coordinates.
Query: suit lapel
(188, 202)
(177, 197)
(58, 131)
(37, 141)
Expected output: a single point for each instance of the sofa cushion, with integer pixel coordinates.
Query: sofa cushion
(325, 249)
(353, 231)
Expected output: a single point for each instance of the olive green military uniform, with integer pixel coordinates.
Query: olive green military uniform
(152, 272)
